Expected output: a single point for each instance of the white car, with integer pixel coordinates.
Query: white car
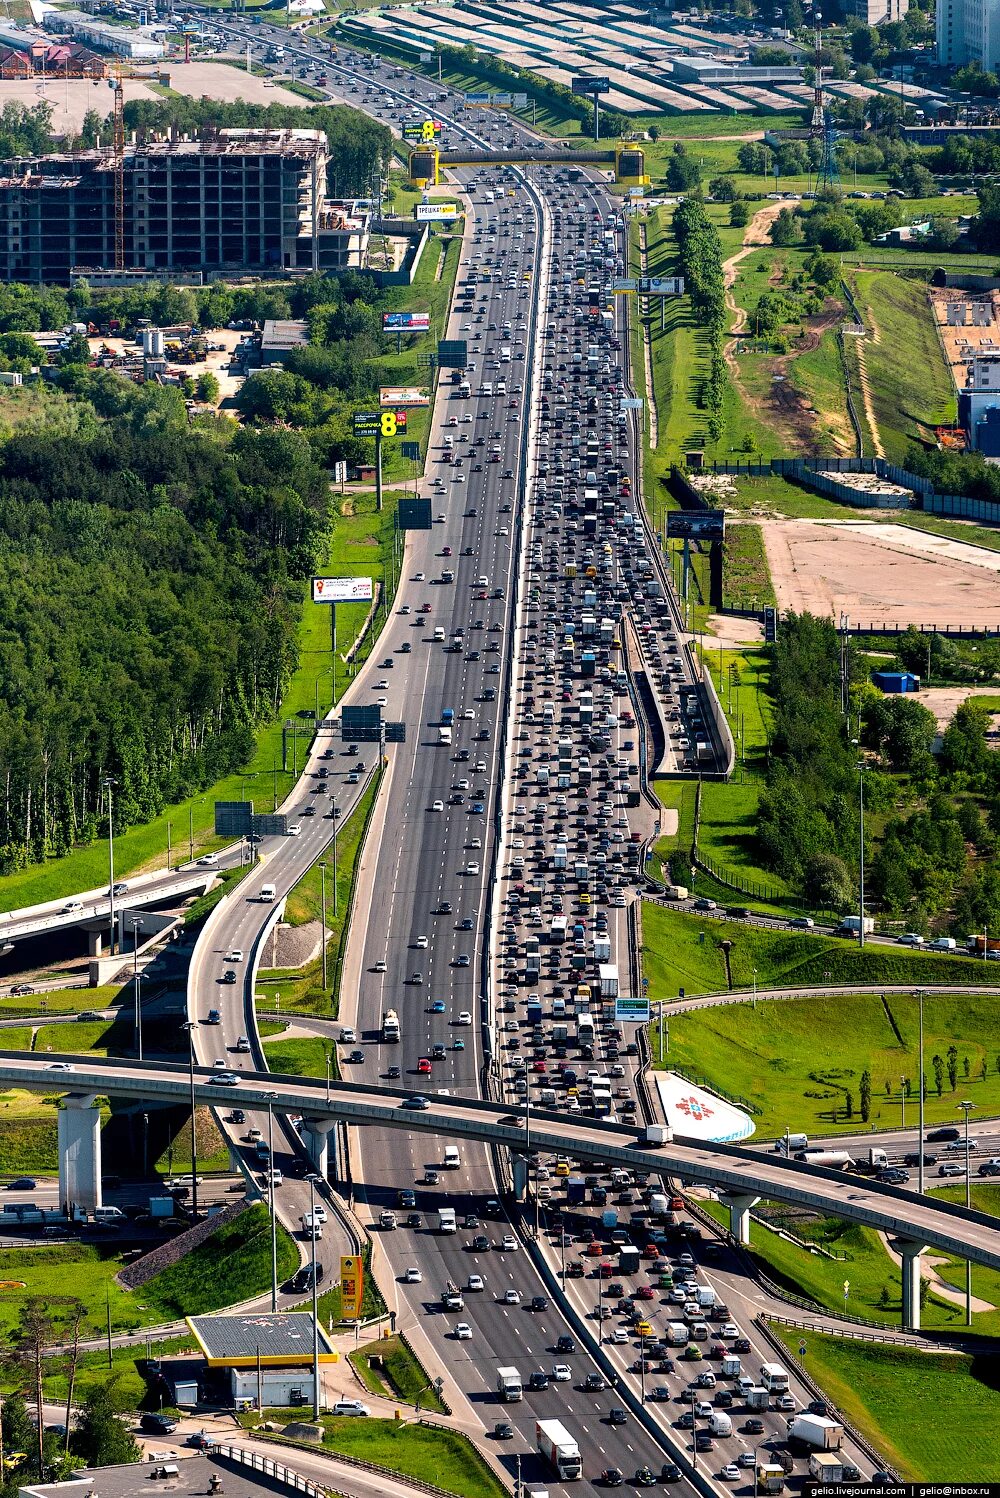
(413, 1276)
(620, 1335)
(350, 1407)
(731, 1472)
(472, 868)
(476, 1283)
(512, 1297)
(728, 1331)
(437, 806)
(464, 1017)
(562, 1373)
(463, 1332)
(379, 967)
(295, 830)
(65, 1066)
(747, 1459)
(348, 1035)
(236, 955)
(508, 1243)
(73, 907)
(421, 942)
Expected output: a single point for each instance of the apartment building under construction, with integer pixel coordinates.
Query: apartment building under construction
(239, 201)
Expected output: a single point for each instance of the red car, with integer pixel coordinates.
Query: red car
(424, 608)
(424, 1067)
(593, 1249)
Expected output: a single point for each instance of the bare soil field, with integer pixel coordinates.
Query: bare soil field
(878, 573)
(70, 99)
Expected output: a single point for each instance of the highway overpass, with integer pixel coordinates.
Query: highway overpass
(739, 1175)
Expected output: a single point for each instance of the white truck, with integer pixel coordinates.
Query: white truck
(789, 1143)
(826, 1466)
(819, 1432)
(447, 1221)
(856, 923)
(509, 1384)
(658, 1135)
(774, 1377)
(390, 1026)
(554, 1442)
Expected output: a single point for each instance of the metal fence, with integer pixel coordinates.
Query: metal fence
(256, 1461)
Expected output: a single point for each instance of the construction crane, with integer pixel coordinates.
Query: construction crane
(118, 164)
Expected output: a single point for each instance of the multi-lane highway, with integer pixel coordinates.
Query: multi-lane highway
(504, 657)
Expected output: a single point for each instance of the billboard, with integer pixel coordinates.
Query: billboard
(406, 395)
(352, 1286)
(592, 83)
(453, 353)
(624, 283)
(384, 423)
(405, 322)
(436, 213)
(661, 285)
(632, 1011)
(701, 525)
(341, 590)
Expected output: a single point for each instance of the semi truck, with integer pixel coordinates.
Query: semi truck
(509, 1384)
(554, 1442)
(829, 1159)
(818, 1432)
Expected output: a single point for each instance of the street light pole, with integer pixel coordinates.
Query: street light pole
(136, 924)
(966, 1109)
(191, 1026)
(270, 1192)
(920, 1146)
(322, 912)
(861, 856)
(315, 1293)
(336, 818)
(902, 1101)
(755, 990)
(108, 785)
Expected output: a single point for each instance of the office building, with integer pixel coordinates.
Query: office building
(969, 31)
(240, 201)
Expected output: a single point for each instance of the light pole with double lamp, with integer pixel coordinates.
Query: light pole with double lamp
(191, 1026)
(313, 1183)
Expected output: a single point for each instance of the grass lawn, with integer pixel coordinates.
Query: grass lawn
(429, 1454)
(234, 1264)
(302, 1057)
(56, 1001)
(933, 1416)
(390, 1366)
(769, 1054)
(746, 576)
(910, 395)
(301, 989)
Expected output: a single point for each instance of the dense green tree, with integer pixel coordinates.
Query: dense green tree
(102, 1437)
(901, 729)
(786, 229)
(683, 172)
(827, 883)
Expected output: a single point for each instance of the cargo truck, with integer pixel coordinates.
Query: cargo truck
(554, 1442)
(628, 1259)
(658, 1135)
(770, 1478)
(447, 1222)
(509, 1384)
(774, 1376)
(576, 1191)
(826, 1466)
(855, 923)
(608, 974)
(390, 1026)
(818, 1432)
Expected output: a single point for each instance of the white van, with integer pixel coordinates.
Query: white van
(109, 1215)
(452, 1159)
(268, 894)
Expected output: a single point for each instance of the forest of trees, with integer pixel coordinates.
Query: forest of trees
(932, 832)
(153, 575)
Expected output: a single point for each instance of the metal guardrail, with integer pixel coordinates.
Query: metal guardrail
(256, 1461)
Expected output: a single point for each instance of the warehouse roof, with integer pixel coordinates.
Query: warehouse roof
(188, 1475)
(282, 333)
(277, 1337)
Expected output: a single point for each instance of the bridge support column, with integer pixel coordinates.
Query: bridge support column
(79, 1142)
(315, 1137)
(909, 1252)
(95, 941)
(740, 1205)
(520, 1169)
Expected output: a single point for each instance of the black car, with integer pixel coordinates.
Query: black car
(703, 1442)
(480, 1243)
(237, 1116)
(539, 1302)
(645, 1477)
(754, 1426)
(617, 1416)
(157, 1425)
(538, 1381)
(612, 1478)
(566, 1343)
(670, 1472)
(594, 1381)
(503, 1431)
(819, 1407)
(393, 1073)
(303, 1278)
(23, 1183)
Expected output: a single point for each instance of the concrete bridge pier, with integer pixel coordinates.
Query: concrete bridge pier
(740, 1205)
(79, 1142)
(519, 1166)
(909, 1252)
(315, 1137)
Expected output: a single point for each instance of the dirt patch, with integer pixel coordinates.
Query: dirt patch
(292, 946)
(881, 574)
(732, 632)
(944, 702)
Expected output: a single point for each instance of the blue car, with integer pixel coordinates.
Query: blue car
(438, 1006)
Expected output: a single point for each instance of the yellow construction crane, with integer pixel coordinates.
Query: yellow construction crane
(118, 163)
